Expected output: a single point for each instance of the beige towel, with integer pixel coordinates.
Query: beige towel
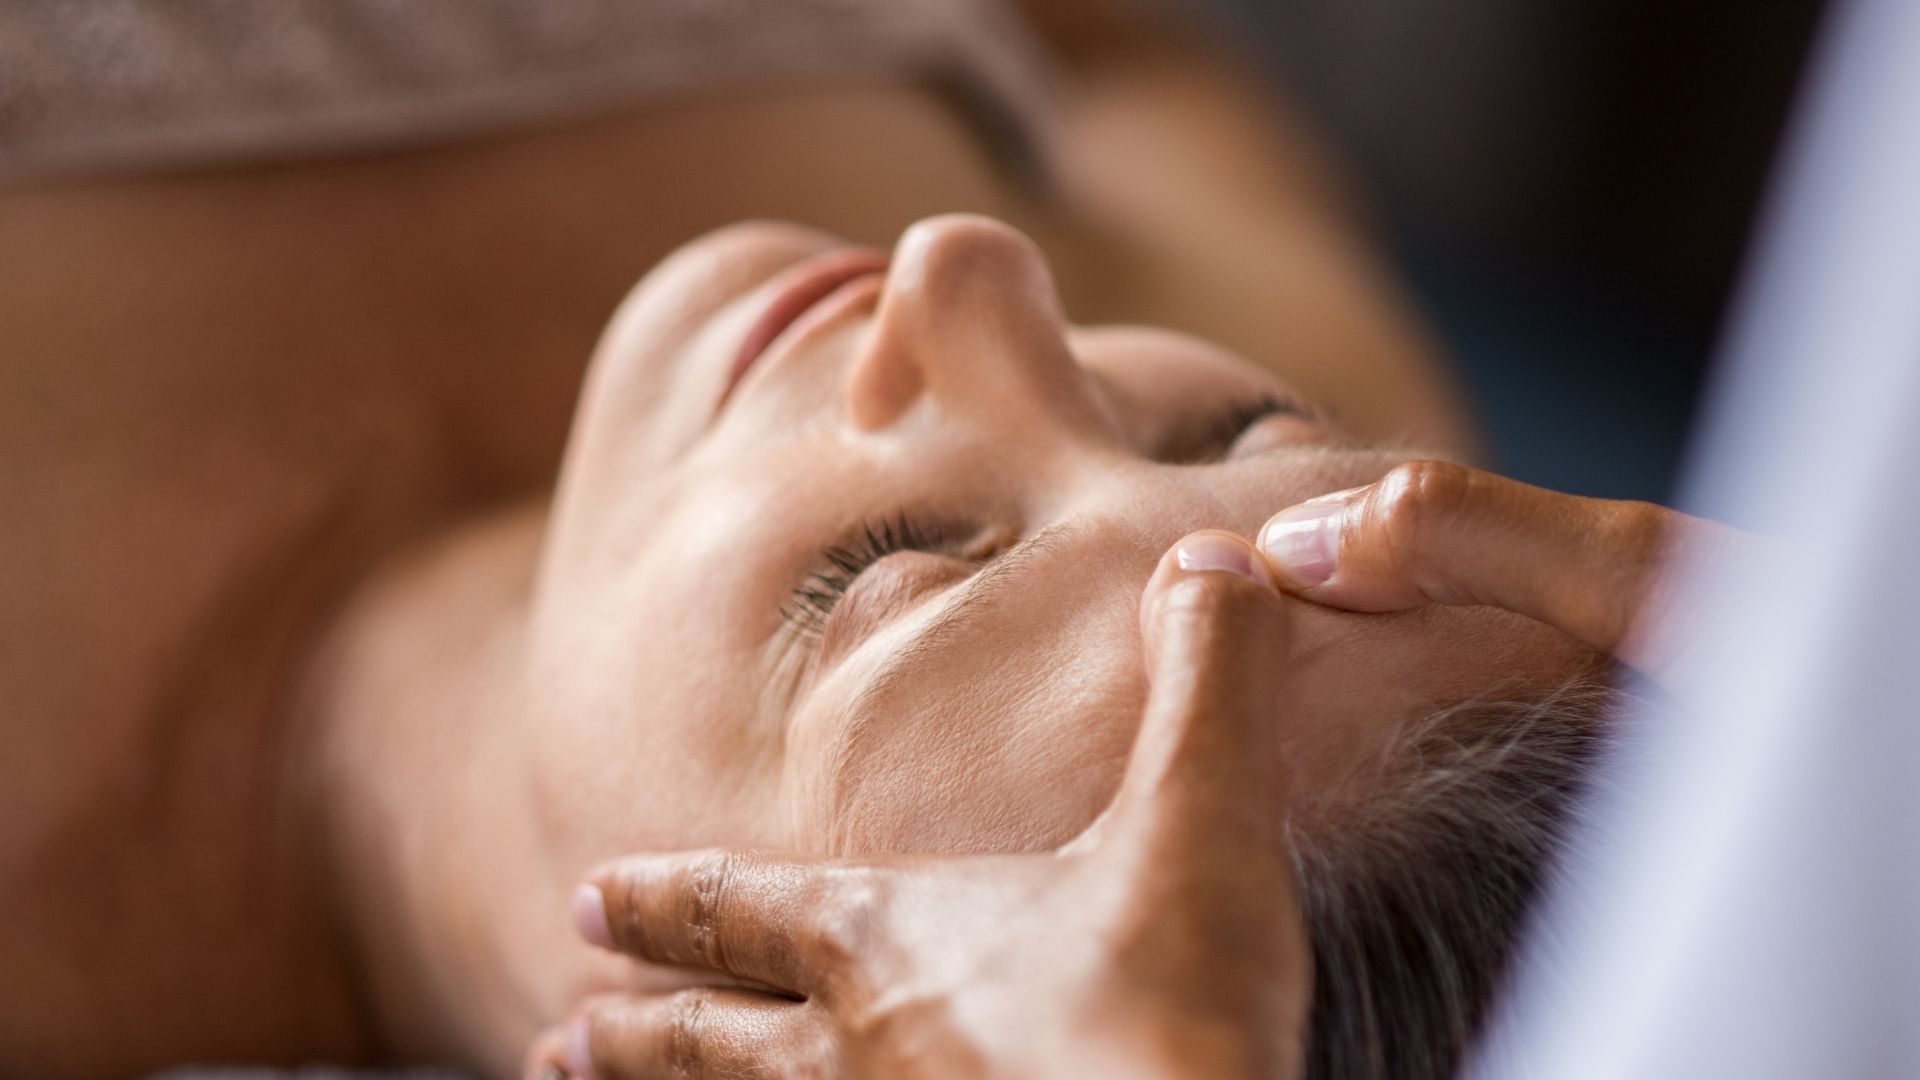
(91, 84)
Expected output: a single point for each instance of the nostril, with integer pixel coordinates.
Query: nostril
(882, 382)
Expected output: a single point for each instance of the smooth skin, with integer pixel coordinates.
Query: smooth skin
(1210, 957)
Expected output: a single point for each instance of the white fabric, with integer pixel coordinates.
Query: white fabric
(1747, 903)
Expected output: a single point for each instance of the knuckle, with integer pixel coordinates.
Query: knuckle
(684, 1031)
(705, 891)
(848, 909)
(626, 897)
(1411, 500)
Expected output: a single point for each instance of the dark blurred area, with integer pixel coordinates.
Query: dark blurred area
(1568, 185)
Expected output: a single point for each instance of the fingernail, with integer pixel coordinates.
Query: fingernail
(1210, 551)
(1303, 541)
(579, 1050)
(590, 916)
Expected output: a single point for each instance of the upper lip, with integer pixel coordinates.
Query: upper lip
(794, 291)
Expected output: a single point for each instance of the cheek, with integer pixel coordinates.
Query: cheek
(660, 363)
(642, 719)
(639, 752)
(964, 785)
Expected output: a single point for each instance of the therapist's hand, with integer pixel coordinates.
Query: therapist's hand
(1164, 941)
(1433, 532)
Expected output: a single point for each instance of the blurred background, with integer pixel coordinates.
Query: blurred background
(1568, 185)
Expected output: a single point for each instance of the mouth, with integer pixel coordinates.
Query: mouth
(795, 293)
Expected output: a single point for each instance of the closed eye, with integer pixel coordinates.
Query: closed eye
(1211, 436)
(812, 602)
(814, 599)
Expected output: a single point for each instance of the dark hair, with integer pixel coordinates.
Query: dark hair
(1415, 897)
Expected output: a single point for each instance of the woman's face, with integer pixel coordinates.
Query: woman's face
(879, 592)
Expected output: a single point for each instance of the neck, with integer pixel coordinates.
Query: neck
(414, 774)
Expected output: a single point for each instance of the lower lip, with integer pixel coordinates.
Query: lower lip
(796, 291)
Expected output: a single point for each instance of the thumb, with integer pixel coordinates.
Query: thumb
(1205, 763)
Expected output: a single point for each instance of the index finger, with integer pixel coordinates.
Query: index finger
(1442, 533)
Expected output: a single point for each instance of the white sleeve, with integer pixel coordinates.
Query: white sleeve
(1747, 901)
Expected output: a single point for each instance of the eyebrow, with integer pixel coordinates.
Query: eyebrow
(976, 596)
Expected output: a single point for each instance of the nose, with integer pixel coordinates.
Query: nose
(970, 317)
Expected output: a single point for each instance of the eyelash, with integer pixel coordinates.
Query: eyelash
(814, 600)
(1233, 421)
(1226, 426)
